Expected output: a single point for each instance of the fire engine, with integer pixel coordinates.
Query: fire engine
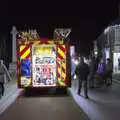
(43, 62)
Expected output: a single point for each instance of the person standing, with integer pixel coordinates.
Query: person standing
(3, 70)
(82, 71)
(119, 63)
(101, 69)
(92, 66)
(108, 73)
(73, 67)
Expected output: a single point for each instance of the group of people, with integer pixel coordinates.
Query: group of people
(86, 73)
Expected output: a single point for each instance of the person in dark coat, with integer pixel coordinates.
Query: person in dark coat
(108, 73)
(93, 67)
(82, 71)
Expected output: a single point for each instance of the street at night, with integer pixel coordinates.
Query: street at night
(60, 60)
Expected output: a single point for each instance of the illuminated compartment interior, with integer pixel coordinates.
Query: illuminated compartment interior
(43, 65)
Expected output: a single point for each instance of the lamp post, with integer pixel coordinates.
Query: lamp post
(14, 33)
(12, 66)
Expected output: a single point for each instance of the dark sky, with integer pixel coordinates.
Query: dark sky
(87, 19)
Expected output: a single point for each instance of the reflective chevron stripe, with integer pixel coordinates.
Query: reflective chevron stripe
(24, 52)
(61, 68)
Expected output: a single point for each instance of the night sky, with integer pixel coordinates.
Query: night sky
(87, 19)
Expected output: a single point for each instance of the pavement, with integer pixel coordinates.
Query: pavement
(116, 77)
(10, 95)
(104, 102)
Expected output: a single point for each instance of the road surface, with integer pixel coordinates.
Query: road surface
(43, 107)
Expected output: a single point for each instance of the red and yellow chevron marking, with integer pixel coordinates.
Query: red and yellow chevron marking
(24, 52)
(61, 68)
